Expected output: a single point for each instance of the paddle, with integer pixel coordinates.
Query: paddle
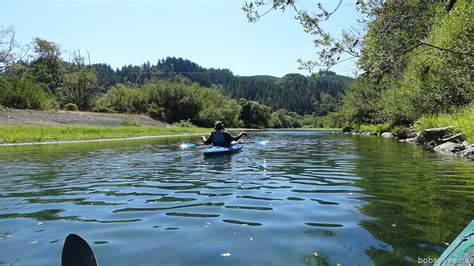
(188, 145)
(193, 145)
(260, 142)
(76, 252)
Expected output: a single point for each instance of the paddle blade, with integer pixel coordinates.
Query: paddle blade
(76, 252)
(187, 146)
(260, 142)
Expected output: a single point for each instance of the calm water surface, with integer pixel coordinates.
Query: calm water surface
(306, 198)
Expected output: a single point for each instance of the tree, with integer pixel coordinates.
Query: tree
(47, 65)
(407, 21)
(176, 101)
(7, 45)
(18, 89)
(331, 48)
(78, 88)
(395, 29)
(254, 115)
(106, 76)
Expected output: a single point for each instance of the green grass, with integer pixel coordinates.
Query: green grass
(373, 127)
(462, 121)
(37, 133)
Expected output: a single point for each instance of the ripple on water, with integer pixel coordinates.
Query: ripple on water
(242, 223)
(300, 198)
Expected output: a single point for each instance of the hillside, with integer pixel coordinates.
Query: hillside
(317, 94)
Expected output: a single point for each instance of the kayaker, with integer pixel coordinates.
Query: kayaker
(220, 137)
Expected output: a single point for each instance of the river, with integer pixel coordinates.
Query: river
(305, 198)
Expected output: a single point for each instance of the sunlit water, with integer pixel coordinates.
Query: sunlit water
(311, 198)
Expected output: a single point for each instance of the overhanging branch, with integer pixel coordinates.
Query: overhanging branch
(420, 43)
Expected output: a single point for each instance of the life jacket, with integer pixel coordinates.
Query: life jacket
(218, 138)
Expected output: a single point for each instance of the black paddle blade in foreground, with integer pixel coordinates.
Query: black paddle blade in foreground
(76, 252)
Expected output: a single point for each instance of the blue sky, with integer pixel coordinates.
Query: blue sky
(212, 33)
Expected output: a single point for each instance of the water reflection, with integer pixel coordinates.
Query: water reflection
(421, 200)
(218, 164)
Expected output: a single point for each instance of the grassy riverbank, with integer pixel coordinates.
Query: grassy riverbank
(462, 121)
(38, 133)
(42, 133)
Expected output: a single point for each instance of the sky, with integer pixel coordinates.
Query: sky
(211, 33)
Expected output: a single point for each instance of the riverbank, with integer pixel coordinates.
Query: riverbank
(38, 134)
(13, 144)
(451, 134)
(25, 135)
(445, 140)
(10, 116)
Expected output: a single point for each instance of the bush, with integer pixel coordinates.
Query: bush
(331, 120)
(121, 99)
(379, 128)
(71, 107)
(399, 105)
(130, 122)
(171, 102)
(155, 111)
(361, 104)
(78, 87)
(282, 118)
(254, 114)
(183, 123)
(217, 107)
(18, 89)
(176, 101)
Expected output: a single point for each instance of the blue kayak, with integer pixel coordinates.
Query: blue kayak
(461, 250)
(216, 150)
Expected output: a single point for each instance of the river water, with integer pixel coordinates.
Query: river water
(305, 198)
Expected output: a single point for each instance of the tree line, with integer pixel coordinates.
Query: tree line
(173, 90)
(318, 94)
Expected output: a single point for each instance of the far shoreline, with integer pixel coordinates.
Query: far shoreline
(55, 142)
(57, 136)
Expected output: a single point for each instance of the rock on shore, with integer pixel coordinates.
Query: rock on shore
(443, 140)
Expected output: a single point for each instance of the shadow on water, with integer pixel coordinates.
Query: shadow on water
(420, 199)
(219, 163)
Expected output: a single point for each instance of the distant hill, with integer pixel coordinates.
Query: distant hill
(318, 94)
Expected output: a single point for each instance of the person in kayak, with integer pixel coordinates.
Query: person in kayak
(220, 137)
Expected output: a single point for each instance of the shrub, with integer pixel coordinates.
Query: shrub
(217, 107)
(254, 114)
(71, 107)
(183, 123)
(155, 111)
(121, 99)
(178, 101)
(374, 127)
(130, 122)
(361, 104)
(100, 104)
(19, 90)
(78, 87)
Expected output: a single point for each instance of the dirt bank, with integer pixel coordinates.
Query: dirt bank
(22, 117)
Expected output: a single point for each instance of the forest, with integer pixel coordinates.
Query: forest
(174, 90)
(415, 57)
